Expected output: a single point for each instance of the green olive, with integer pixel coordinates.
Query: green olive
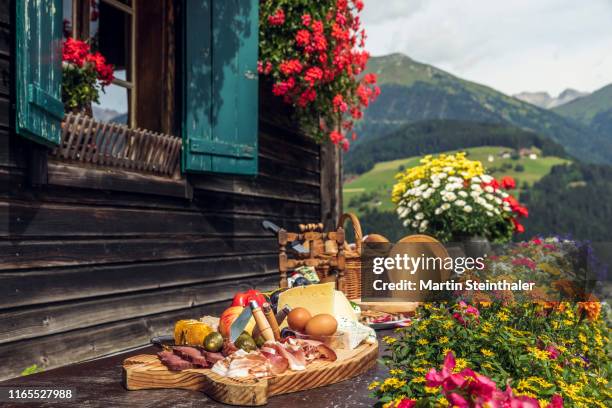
(213, 342)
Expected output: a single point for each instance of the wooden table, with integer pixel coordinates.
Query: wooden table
(98, 384)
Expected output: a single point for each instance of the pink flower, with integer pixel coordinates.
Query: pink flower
(553, 352)
(306, 19)
(556, 402)
(406, 403)
(339, 104)
(313, 74)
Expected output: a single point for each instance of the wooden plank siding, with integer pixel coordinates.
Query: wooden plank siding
(88, 270)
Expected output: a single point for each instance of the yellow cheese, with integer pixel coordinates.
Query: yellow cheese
(317, 299)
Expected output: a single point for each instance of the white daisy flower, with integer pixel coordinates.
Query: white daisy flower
(419, 216)
(462, 193)
(445, 206)
(467, 209)
(460, 203)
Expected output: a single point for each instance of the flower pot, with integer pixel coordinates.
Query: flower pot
(475, 246)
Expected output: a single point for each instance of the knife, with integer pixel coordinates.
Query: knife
(240, 323)
(295, 246)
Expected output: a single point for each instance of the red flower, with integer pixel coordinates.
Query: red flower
(508, 183)
(278, 18)
(302, 37)
(345, 145)
(339, 104)
(370, 78)
(313, 75)
(306, 19)
(291, 67)
(75, 51)
(356, 113)
(336, 137)
(338, 33)
(518, 227)
(358, 4)
(553, 352)
(317, 27)
(319, 42)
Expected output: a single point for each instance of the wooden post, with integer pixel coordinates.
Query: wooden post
(340, 259)
(282, 257)
(331, 185)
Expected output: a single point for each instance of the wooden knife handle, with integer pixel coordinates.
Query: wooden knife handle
(272, 320)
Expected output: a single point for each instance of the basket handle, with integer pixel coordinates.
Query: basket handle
(356, 227)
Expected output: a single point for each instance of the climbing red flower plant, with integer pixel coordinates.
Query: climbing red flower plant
(84, 74)
(313, 52)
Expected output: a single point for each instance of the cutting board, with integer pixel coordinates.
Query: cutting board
(145, 371)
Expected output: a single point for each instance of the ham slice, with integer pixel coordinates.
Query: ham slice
(278, 363)
(173, 362)
(211, 357)
(295, 356)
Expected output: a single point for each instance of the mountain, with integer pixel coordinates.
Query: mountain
(434, 136)
(545, 101)
(593, 110)
(413, 91)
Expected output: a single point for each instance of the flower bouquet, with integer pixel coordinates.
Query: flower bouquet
(451, 197)
(313, 52)
(84, 75)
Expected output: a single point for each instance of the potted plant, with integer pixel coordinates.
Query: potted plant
(454, 200)
(84, 76)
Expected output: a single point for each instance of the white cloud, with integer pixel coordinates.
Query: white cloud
(513, 46)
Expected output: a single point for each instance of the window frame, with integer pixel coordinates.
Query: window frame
(81, 31)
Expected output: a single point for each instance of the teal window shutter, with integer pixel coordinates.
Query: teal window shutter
(220, 124)
(38, 74)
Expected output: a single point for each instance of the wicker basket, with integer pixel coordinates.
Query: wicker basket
(352, 273)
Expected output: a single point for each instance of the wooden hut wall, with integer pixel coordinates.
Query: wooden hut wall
(85, 272)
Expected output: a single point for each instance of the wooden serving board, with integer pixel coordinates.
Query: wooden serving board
(145, 371)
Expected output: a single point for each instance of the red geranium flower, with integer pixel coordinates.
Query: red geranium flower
(508, 183)
(278, 18)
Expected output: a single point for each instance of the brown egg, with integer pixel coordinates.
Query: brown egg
(322, 325)
(297, 318)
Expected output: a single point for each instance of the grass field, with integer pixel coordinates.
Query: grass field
(377, 183)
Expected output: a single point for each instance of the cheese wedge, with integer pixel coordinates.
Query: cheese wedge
(317, 299)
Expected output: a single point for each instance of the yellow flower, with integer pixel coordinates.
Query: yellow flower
(446, 350)
(448, 324)
(392, 383)
(443, 402)
(418, 380)
(537, 353)
(503, 316)
(396, 372)
(432, 390)
(582, 337)
(443, 340)
(487, 327)
(389, 339)
(422, 342)
(373, 385)
(460, 364)
(487, 352)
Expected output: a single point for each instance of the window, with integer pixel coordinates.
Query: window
(202, 51)
(110, 28)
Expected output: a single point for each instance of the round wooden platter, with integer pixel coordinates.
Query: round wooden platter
(145, 371)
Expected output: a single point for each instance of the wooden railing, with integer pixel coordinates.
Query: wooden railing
(115, 145)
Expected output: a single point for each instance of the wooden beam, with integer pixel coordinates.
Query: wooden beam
(331, 185)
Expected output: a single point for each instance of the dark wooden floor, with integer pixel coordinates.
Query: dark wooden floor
(98, 384)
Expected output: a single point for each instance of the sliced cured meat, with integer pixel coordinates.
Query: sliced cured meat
(212, 357)
(295, 357)
(173, 362)
(193, 355)
(278, 364)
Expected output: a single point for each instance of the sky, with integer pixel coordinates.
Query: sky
(512, 46)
